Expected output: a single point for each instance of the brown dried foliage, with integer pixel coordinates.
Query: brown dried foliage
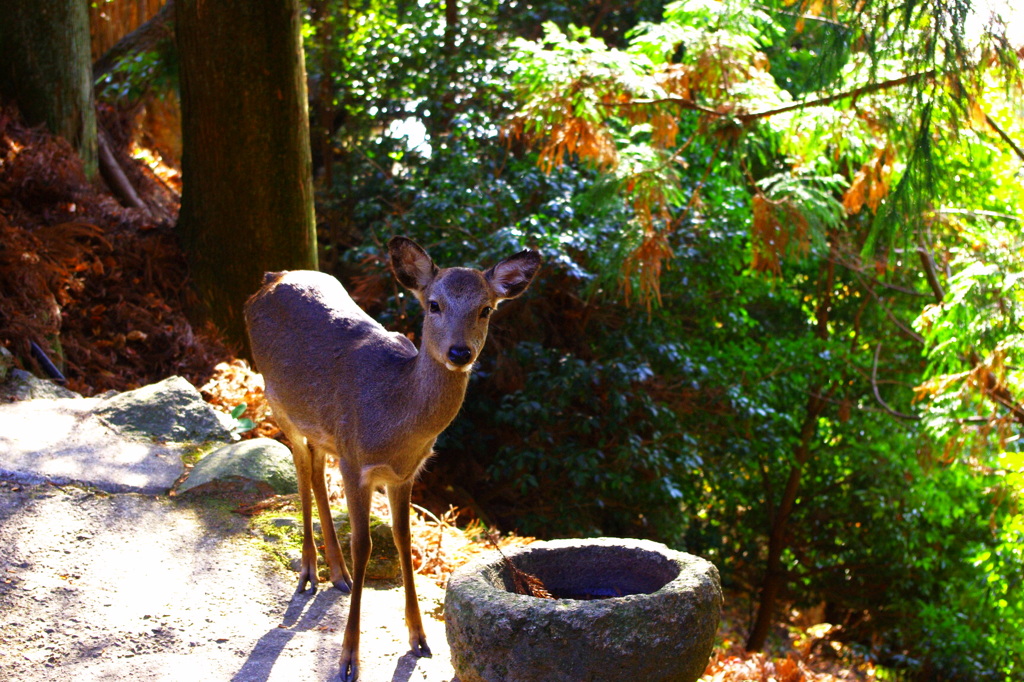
(664, 130)
(871, 183)
(523, 583)
(564, 136)
(805, 649)
(757, 667)
(645, 264)
(439, 545)
(235, 383)
(111, 281)
(580, 138)
(678, 80)
(778, 227)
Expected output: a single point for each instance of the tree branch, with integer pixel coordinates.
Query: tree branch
(864, 275)
(1006, 138)
(684, 102)
(975, 213)
(805, 17)
(878, 395)
(114, 174)
(146, 37)
(689, 103)
(929, 272)
(856, 92)
(910, 333)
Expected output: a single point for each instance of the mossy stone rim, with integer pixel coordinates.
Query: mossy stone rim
(662, 627)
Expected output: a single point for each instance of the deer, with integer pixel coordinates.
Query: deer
(338, 382)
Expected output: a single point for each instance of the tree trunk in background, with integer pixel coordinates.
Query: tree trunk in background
(775, 576)
(153, 34)
(440, 121)
(773, 583)
(111, 20)
(46, 68)
(247, 196)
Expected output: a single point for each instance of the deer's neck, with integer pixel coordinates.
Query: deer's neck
(437, 392)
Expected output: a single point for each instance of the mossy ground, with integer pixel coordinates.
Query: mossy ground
(279, 533)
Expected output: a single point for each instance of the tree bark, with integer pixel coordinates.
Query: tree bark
(111, 20)
(775, 574)
(247, 196)
(149, 35)
(323, 98)
(440, 121)
(118, 182)
(47, 69)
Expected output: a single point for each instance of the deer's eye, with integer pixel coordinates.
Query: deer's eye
(486, 312)
(434, 307)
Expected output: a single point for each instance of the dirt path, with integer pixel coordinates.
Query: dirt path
(124, 587)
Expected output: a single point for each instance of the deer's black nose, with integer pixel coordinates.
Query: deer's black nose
(460, 355)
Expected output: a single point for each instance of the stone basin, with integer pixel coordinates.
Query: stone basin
(629, 610)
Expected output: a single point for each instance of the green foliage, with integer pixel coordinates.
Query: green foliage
(687, 420)
(242, 424)
(131, 78)
(593, 431)
(144, 63)
(964, 623)
(381, 61)
(973, 336)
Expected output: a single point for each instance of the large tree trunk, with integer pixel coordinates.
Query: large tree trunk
(247, 197)
(46, 68)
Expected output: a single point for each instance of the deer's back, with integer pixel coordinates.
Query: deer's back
(319, 352)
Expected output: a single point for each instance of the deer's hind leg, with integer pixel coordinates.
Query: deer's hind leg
(303, 458)
(332, 548)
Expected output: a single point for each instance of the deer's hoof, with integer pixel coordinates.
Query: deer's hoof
(420, 648)
(349, 670)
(305, 578)
(344, 584)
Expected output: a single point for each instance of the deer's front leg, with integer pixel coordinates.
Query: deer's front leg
(399, 497)
(357, 496)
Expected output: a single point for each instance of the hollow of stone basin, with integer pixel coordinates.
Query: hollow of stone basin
(657, 620)
(596, 572)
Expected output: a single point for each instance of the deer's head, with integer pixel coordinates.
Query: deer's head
(458, 302)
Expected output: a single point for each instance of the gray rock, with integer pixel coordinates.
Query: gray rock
(661, 628)
(63, 441)
(6, 362)
(22, 385)
(294, 559)
(128, 442)
(260, 459)
(169, 411)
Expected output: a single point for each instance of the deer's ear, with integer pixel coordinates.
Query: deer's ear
(511, 276)
(410, 263)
